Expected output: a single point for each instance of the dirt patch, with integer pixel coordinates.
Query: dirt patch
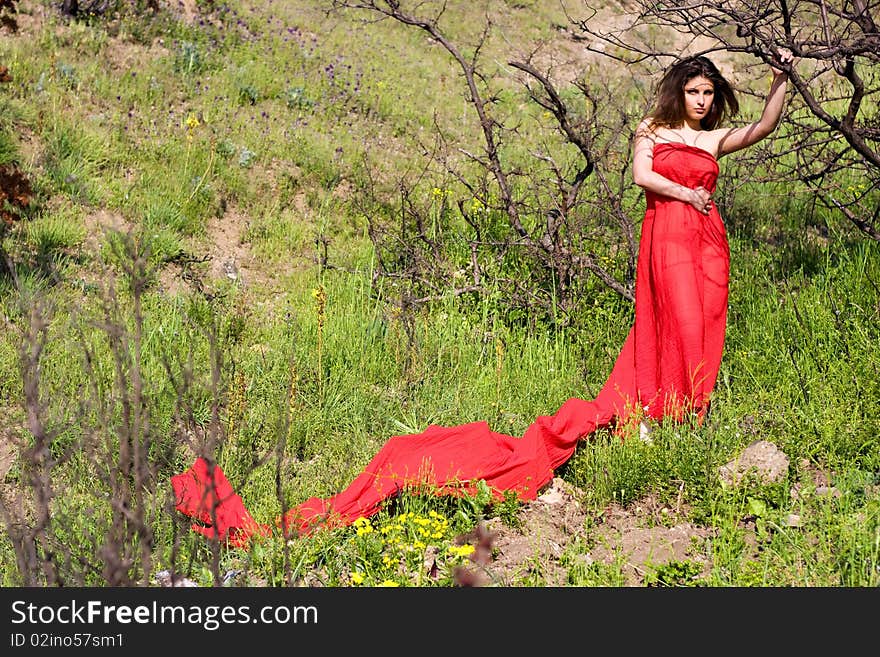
(189, 10)
(101, 222)
(640, 538)
(8, 452)
(224, 257)
(122, 54)
(13, 500)
(546, 527)
(30, 148)
(624, 537)
(230, 256)
(762, 459)
(31, 16)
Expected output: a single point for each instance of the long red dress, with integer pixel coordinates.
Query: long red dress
(666, 368)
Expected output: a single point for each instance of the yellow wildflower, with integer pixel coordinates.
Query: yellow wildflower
(461, 550)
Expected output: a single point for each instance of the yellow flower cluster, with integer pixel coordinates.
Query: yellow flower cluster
(320, 297)
(362, 526)
(461, 550)
(319, 294)
(191, 123)
(394, 550)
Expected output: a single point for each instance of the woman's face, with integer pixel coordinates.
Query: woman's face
(698, 95)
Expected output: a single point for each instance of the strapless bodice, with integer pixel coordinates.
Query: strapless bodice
(687, 165)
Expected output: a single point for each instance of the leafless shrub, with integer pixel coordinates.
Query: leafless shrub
(105, 432)
(75, 8)
(27, 517)
(538, 228)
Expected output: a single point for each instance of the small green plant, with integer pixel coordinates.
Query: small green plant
(74, 158)
(226, 148)
(67, 75)
(188, 58)
(8, 147)
(54, 233)
(296, 98)
(508, 509)
(248, 94)
(245, 157)
(166, 214)
(674, 573)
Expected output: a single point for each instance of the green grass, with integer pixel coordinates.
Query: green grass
(278, 127)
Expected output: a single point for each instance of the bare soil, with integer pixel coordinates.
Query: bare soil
(640, 537)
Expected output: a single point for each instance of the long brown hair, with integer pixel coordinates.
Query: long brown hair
(669, 111)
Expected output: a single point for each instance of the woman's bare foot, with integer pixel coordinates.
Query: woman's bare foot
(645, 433)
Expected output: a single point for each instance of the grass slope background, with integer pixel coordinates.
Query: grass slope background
(190, 169)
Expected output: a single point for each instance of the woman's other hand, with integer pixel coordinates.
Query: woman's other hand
(783, 56)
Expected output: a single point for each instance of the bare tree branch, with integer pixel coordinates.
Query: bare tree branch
(831, 127)
(542, 201)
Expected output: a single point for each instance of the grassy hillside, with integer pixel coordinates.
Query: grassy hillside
(193, 275)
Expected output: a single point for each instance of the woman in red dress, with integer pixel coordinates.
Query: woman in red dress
(666, 368)
(682, 274)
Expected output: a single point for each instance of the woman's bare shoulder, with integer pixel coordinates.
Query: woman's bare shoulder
(712, 140)
(646, 135)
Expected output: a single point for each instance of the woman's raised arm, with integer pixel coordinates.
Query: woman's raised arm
(738, 138)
